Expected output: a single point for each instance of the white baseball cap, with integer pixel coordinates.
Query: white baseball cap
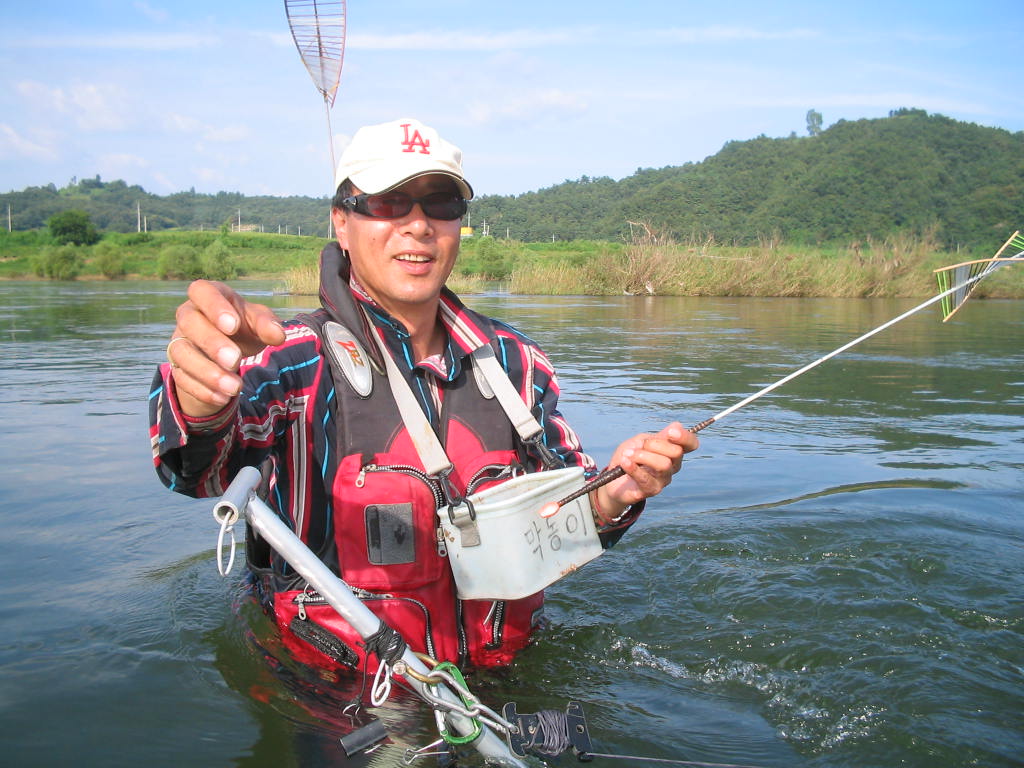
(382, 157)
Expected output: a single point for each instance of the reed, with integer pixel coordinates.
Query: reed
(896, 266)
(303, 280)
(468, 284)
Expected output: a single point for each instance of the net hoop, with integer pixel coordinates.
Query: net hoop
(318, 29)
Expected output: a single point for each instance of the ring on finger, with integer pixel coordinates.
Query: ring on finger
(171, 344)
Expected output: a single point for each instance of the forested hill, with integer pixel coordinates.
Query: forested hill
(116, 206)
(910, 172)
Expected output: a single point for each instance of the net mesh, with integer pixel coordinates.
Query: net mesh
(318, 28)
(966, 276)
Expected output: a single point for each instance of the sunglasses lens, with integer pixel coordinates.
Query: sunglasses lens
(394, 205)
(444, 206)
(388, 205)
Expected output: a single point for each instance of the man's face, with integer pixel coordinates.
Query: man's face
(402, 263)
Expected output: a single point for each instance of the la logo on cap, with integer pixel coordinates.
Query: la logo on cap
(416, 140)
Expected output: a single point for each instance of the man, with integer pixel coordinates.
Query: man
(311, 403)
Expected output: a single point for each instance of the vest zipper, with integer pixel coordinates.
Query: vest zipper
(403, 469)
(312, 597)
(497, 625)
(463, 650)
(500, 472)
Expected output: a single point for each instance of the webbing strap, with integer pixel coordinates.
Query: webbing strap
(523, 421)
(431, 452)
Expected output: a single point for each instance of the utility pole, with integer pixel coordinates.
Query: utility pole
(138, 216)
(9, 218)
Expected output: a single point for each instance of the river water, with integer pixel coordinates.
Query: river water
(835, 579)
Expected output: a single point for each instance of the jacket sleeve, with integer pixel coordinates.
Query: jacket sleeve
(200, 457)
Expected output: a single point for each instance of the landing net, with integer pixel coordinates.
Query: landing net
(967, 275)
(318, 28)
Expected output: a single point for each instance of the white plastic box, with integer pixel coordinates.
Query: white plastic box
(519, 552)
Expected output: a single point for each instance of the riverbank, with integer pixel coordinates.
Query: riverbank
(894, 267)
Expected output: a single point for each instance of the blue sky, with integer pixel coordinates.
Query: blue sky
(213, 95)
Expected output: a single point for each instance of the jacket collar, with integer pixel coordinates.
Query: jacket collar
(340, 295)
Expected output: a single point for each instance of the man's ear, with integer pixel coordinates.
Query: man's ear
(340, 220)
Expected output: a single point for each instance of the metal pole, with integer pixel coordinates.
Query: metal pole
(240, 498)
(334, 164)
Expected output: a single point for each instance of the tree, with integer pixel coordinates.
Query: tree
(217, 263)
(108, 260)
(73, 226)
(62, 263)
(179, 262)
(813, 122)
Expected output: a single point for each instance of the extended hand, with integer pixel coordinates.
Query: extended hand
(650, 461)
(215, 329)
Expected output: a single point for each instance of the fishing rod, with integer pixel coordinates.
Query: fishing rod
(975, 269)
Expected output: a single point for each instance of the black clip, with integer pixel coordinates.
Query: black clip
(549, 458)
(469, 508)
(452, 496)
(564, 731)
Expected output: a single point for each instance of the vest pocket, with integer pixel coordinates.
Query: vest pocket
(385, 524)
(304, 615)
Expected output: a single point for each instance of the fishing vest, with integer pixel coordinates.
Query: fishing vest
(385, 539)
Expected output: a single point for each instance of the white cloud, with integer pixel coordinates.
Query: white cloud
(527, 106)
(101, 107)
(92, 107)
(115, 41)
(159, 15)
(175, 122)
(14, 145)
(277, 39)
(456, 40)
(226, 134)
(719, 34)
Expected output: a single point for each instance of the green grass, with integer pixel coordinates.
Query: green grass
(255, 255)
(894, 267)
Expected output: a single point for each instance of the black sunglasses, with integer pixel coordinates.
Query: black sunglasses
(446, 206)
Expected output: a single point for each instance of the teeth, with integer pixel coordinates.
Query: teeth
(411, 257)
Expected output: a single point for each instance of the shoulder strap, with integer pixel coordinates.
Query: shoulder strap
(431, 452)
(511, 402)
(529, 429)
